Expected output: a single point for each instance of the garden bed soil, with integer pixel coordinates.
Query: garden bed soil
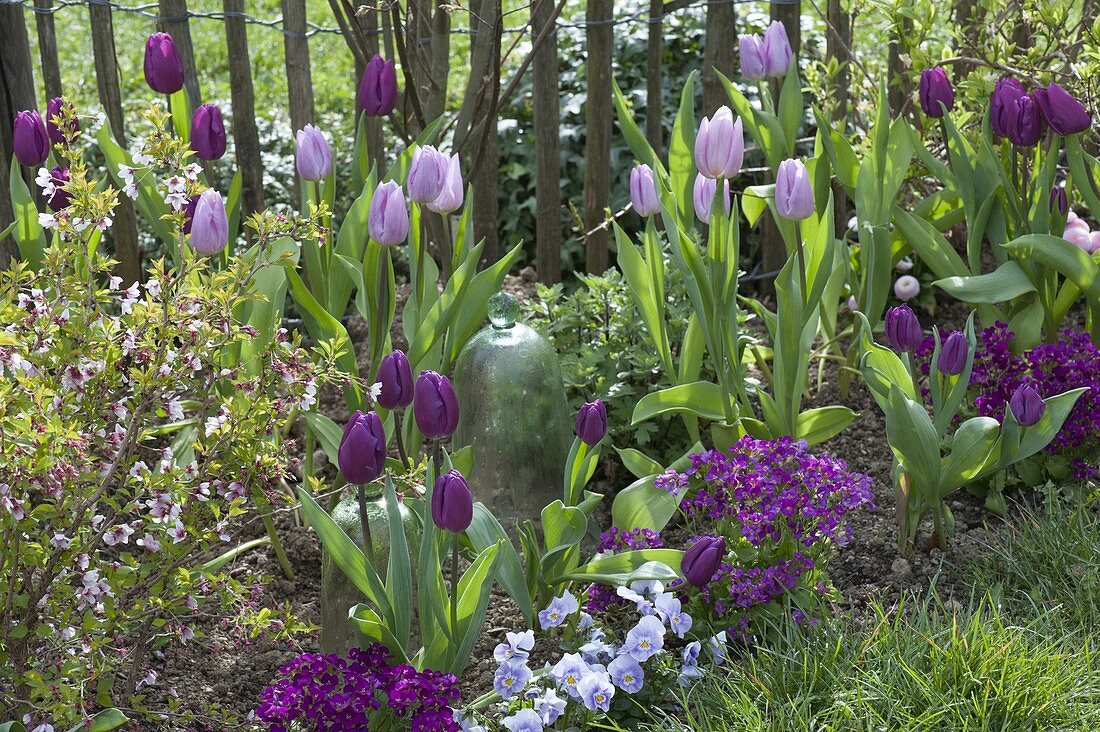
(220, 670)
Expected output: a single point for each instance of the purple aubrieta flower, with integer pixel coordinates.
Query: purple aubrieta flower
(568, 672)
(550, 706)
(626, 673)
(645, 639)
(511, 678)
(525, 720)
(596, 692)
(558, 611)
(518, 646)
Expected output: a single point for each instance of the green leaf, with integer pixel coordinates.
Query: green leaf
(399, 570)
(701, 398)
(930, 245)
(368, 622)
(322, 326)
(754, 202)
(971, 448)
(473, 598)
(233, 205)
(225, 558)
(266, 314)
(12, 727)
(823, 423)
(913, 439)
(1037, 436)
(486, 531)
(681, 147)
(102, 721)
(610, 569)
(180, 107)
(790, 105)
(28, 232)
(638, 463)
(328, 433)
(643, 505)
(1005, 283)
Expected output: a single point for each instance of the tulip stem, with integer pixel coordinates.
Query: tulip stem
(400, 440)
(364, 521)
(454, 584)
(801, 262)
(280, 553)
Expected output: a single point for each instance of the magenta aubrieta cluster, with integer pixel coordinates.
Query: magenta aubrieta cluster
(329, 692)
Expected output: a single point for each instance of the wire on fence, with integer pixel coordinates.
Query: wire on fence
(148, 10)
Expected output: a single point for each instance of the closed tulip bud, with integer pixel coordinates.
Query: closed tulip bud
(426, 174)
(210, 224)
(1026, 123)
(395, 376)
(377, 88)
(29, 139)
(1058, 201)
(1027, 405)
(591, 422)
(435, 405)
(751, 53)
(703, 196)
(794, 196)
(777, 50)
(163, 67)
(953, 353)
(452, 502)
(702, 559)
(1005, 94)
(208, 133)
(903, 331)
(362, 453)
(60, 198)
(935, 89)
(720, 145)
(906, 287)
(643, 191)
(388, 219)
(1064, 114)
(450, 198)
(314, 156)
(58, 108)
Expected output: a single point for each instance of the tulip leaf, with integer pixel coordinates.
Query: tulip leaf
(474, 304)
(701, 398)
(639, 279)
(328, 434)
(1079, 169)
(322, 326)
(791, 110)
(29, 234)
(913, 439)
(485, 531)
(638, 463)
(1072, 263)
(233, 206)
(1005, 283)
(1037, 436)
(930, 245)
(12, 727)
(642, 505)
(823, 423)
(265, 314)
(179, 105)
(616, 568)
(102, 721)
(399, 569)
(367, 621)
(755, 202)
(971, 450)
(633, 135)
(681, 150)
(473, 598)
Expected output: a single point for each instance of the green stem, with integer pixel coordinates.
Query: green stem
(400, 440)
(454, 584)
(938, 523)
(801, 262)
(310, 446)
(364, 521)
(277, 545)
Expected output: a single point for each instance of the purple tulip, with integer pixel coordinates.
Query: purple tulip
(751, 53)
(703, 196)
(591, 422)
(208, 133)
(189, 213)
(1064, 114)
(314, 156)
(362, 453)
(794, 196)
(377, 88)
(61, 198)
(57, 108)
(450, 198)
(452, 502)
(953, 353)
(395, 376)
(935, 89)
(1027, 405)
(426, 174)
(903, 331)
(163, 67)
(435, 405)
(1058, 200)
(1005, 93)
(29, 141)
(643, 191)
(1026, 123)
(388, 219)
(210, 224)
(702, 559)
(720, 145)
(777, 50)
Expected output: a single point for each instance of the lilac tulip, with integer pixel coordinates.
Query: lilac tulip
(395, 376)
(30, 142)
(777, 50)
(794, 196)
(58, 108)
(903, 331)
(210, 224)
(720, 145)
(208, 133)
(362, 452)
(591, 423)
(751, 53)
(435, 405)
(703, 196)
(953, 353)
(452, 502)
(1027, 405)
(388, 218)
(163, 66)
(377, 94)
(426, 174)
(702, 560)
(450, 198)
(643, 191)
(935, 89)
(314, 156)
(1064, 114)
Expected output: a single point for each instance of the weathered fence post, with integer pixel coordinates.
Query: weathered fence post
(600, 17)
(245, 136)
(16, 94)
(718, 52)
(838, 23)
(299, 82)
(47, 47)
(654, 134)
(124, 231)
(436, 102)
(175, 21)
(547, 144)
